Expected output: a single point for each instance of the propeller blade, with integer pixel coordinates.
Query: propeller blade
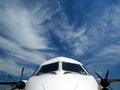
(114, 80)
(19, 84)
(110, 87)
(105, 89)
(106, 77)
(21, 74)
(13, 88)
(98, 75)
(8, 83)
(104, 81)
(11, 78)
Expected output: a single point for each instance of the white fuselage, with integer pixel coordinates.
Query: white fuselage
(62, 81)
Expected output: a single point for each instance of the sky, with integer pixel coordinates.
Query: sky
(33, 31)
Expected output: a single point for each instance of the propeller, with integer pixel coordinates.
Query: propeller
(20, 84)
(105, 82)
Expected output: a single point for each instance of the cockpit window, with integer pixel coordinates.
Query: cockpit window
(73, 67)
(48, 68)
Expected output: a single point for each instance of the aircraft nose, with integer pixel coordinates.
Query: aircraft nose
(62, 82)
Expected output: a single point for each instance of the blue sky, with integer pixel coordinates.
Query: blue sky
(33, 31)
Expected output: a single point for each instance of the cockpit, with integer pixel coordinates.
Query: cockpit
(67, 67)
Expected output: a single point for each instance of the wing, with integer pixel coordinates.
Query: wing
(114, 80)
(7, 83)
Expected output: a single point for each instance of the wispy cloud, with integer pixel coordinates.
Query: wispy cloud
(22, 35)
(27, 29)
(12, 68)
(19, 27)
(103, 35)
(96, 39)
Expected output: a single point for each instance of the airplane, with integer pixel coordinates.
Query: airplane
(62, 73)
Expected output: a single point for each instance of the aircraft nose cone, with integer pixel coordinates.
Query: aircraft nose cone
(62, 82)
(70, 82)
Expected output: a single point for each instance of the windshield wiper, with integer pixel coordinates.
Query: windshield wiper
(67, 72)
(52, 72)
